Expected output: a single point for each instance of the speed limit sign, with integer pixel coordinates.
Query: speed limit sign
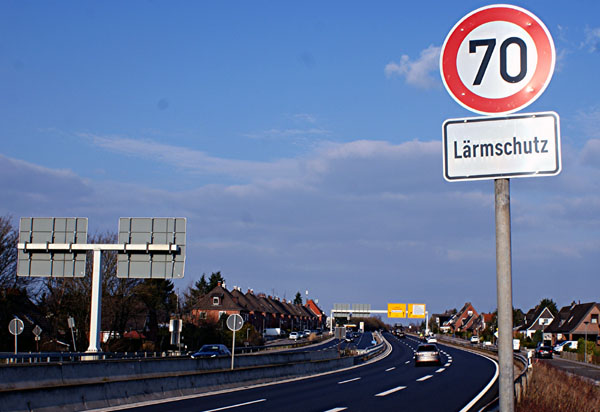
(497, 59)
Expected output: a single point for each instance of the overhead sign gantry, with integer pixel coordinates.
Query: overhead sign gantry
(56, 247)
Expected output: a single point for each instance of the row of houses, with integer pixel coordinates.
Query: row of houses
(260, 310)
(572, 322)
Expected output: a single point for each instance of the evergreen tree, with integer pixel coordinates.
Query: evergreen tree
(298, 299)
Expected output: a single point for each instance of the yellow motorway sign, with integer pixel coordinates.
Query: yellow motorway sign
(416, 310)
(396, 310)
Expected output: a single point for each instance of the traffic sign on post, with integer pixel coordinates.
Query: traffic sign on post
(234, 323)
(497, 59)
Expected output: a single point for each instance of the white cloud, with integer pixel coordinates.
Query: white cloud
(592, 39)
(421, 72)
(363, 215)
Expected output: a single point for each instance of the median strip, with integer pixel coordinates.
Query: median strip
(399, 388)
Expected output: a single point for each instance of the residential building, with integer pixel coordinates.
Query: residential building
(536, 319)
(574, 322)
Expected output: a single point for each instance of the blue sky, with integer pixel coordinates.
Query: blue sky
(301, 140)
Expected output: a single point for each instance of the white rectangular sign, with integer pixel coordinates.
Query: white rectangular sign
(522, 145)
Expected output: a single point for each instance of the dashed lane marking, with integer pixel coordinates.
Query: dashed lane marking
(448, 364)
(336, 410)
(440, 370)
(396, 389)
(235, 406)
(424, 378)
(390, 369)
(407, 362)
(349, 380)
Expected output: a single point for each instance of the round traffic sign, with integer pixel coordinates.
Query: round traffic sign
(15, 326)
(497, 59)
(235, 322)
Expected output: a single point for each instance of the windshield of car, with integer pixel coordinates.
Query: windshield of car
(209, 348)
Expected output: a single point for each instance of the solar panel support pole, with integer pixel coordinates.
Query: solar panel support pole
(96, 306)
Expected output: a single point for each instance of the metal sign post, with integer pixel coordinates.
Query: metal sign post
(492, 80)
(37, 331)
(504, 292)
(15, 326)
(234, 323)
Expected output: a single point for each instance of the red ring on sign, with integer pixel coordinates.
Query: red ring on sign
(529, 92)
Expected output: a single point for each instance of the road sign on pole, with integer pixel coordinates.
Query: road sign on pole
(15, 326)
(234, 323)
(497, 59)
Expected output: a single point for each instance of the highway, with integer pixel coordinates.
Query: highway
(389, 384)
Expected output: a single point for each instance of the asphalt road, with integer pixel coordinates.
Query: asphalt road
(389, 384)
(576, 368)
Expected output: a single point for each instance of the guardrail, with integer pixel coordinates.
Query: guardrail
(49, 357)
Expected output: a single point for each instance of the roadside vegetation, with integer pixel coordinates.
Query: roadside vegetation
(551, 390)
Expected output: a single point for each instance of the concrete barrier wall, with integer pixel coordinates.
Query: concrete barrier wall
(23, 376)
(78, 396)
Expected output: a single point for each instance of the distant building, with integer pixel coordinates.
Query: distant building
(536, 319)
(574, 322)
(260, 310)
(462, 321)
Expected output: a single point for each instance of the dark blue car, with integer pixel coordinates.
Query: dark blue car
(212, 351)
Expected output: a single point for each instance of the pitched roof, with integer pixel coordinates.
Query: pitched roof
(226, 301)
(569, 318)
(531, 320)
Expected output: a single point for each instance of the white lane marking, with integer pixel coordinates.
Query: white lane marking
(440, 370)
(484, 390)
(349, 380)
(424, 378)
(234, 406)
(448, 364)
(336, 409)
(390, 369)
(407, 362)
(399, 388)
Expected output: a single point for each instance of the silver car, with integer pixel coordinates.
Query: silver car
(427, 353)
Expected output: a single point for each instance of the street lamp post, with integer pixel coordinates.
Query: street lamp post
(585, 342)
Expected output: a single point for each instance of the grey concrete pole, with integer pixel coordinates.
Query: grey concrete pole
(504, 286)
(96, 308)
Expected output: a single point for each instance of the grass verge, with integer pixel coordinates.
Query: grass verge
(551, 390)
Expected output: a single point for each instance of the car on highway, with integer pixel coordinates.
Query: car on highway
(571, 344)
(211, 351)
(401, 335)
(543, 351)
(431, 339)
(474, 339)
(306, 332)
(295, 335)
(427, 353)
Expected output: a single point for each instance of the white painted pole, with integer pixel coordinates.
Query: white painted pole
(96, 308)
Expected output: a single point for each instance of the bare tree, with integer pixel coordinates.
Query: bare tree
(8, 253)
